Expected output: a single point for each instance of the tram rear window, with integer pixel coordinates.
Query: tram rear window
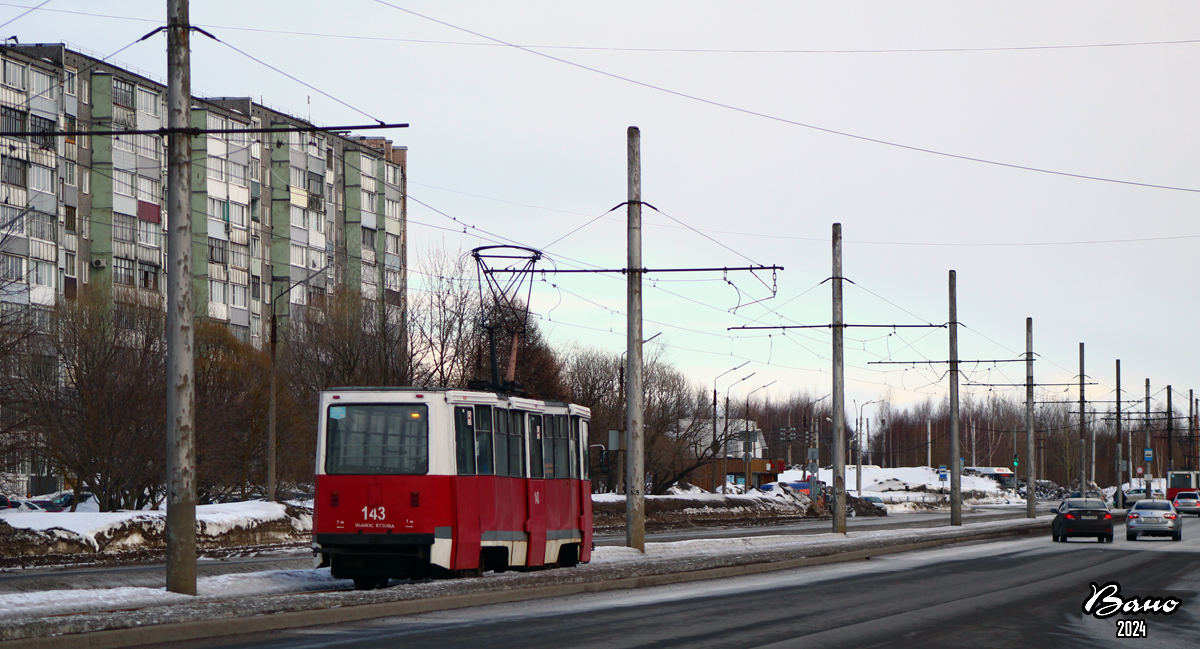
(377, 439)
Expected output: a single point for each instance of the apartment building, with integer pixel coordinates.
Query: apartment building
(278, 219)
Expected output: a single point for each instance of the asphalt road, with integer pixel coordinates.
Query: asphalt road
(153, 575)
(1026, 592)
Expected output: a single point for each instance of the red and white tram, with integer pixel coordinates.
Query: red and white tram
(422, 482)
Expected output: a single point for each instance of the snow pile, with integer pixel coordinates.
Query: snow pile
(255, 522)
(701, 507)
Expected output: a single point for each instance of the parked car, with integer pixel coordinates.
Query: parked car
(1134, 495)
(46, 505)
(1153, 518)
(1187, 502)
(5, 503)
(875, 500)
(1082, 517)
(64, 500)
(1090, 493)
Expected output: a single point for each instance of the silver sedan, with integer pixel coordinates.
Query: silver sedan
(1153, 518)
(1187, 502)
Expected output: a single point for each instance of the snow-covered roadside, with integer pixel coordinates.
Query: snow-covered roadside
(659, 558)
(27, 533)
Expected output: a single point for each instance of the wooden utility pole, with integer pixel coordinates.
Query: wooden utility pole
(839, 391)
(635, 510)
(1030, 478)
(1082, 429)
(955, 468)
(181, 432)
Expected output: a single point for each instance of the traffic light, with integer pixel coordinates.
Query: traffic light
(604, 462)
(1016, 462)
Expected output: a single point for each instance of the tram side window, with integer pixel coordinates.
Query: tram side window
(501, 442)
(516, 444)
(464, 438)
(562, 457)
(483, 439)
(572, 427)
(537, 467)
(579, 430)
(377, 439)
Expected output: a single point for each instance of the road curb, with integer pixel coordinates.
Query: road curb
(195, 630)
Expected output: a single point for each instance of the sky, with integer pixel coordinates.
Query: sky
(1047, 152)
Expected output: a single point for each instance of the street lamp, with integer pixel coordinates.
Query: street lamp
(714, 442)
(858, 442)
(747, 445)
(725, 437)
(272, 388)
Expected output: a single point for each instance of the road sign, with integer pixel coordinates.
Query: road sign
(1139, 470)
(1149, 455)
(814, 454)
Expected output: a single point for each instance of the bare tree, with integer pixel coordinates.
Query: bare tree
(445, 320)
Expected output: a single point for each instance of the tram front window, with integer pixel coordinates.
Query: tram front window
(377, 439)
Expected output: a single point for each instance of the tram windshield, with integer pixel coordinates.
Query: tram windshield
(377, 439)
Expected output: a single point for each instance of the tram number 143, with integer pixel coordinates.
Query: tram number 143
(374, 513)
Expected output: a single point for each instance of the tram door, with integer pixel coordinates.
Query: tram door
(466, 488)
(538, 498)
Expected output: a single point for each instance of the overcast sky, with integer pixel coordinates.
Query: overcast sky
(737, 103)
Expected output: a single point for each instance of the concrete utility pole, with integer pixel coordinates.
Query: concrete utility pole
(839, 391)
(1120, 439)
(928, 443)
(635, 506)
(1170, 429)
(858, 457)
(1082, 429)
(955, 465)
(1030, 478)
(1146, 431)
(181, 417)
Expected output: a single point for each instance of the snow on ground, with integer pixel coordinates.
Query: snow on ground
(58, 602)
(95, 528)
(896, 487)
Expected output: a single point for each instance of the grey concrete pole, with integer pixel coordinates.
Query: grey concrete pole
(1030, 478)
(181, 432)
(1120, 439)
(1146, 432)
(635, 511)
(1170, 430)
(1082, 428)
(955, 469)
(271, 401)
(839, 391)
(928, 443)
(858, 457)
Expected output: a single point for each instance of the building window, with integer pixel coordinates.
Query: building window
(85, 181)
(149, 234)
(124, 142)
(43, 128)
(298, 217)
(44, 273)
(70, 259)
(216, 168)
(239, 255)
(255, 287)
(368, 201)
(12, 268)
(256, 326)
(237, 214)
(148, 189)
(296, 177)
(392, 243)
(70, 219)
(237, 173)
(391, 209)
(147, 101)
(368, 166)
(12, 119)
(123, 228)
(122, 93)
(14, 74)
(69, 172)
(13, 171)
(43, 226)
(70, 125)
(41, 178)
(148, 276)
(122, 182)
(298, 255)
(215, 122)
(218, 251)
(42, 84)
(237, 296)
(85, 90)
(123, 271)
(148, 145)
(216, 292)
(12, 219)
(254, 248)
(368, 238)
(69, 78)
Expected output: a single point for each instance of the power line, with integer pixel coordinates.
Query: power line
(782, 120)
